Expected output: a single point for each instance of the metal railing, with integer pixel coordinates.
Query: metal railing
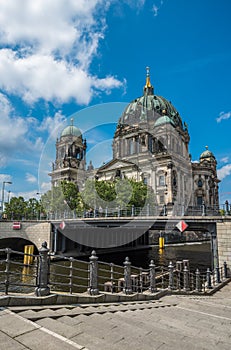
(132, 211)
(96, 277)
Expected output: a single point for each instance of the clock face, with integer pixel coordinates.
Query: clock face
(73, 163)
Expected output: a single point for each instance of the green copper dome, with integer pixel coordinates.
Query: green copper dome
(149, 108)
(164, 120)
(207, 155)
(71, 130)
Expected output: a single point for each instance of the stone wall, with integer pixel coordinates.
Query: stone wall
(224, 241)
(33, 231)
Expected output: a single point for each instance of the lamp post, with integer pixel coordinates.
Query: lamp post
(8, 200)
(3, 190)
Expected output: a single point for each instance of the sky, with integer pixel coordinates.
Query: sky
(88, 58)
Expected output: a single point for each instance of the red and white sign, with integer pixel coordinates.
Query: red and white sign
(62, 225)
(17, 226)
(182, 226)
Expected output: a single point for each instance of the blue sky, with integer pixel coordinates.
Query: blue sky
(58, 57)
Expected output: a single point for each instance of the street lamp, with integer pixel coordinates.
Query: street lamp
(3, 189)
(8, 200)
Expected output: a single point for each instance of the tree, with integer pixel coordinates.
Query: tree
(62, 198)
(118, 193)
(16, 208)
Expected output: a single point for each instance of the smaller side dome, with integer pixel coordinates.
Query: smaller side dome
(207, 155)
(164, 120)
(71, 130)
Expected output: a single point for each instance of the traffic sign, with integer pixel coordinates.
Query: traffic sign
(182, 226)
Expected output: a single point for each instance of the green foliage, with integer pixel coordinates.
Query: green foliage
(18, 209)
(63, 197)
(66, 197)
(124, 193)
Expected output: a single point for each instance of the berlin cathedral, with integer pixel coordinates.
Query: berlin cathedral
(150, 144)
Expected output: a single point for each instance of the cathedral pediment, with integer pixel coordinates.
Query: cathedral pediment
(116, 164)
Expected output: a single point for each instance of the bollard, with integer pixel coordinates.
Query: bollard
(208, 279)
(198, 281)
(28, 254)
(42, 288)
(152, 274)
(225, 270)
(127, 277)
(186, 279)
(93, 274)
(218, 279)
(171, 278)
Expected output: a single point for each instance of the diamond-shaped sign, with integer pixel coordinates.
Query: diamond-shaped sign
(182, 226)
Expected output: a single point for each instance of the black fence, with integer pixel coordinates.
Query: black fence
(51, 274)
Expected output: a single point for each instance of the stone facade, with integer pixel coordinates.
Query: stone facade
(70, 162)
(150, 144)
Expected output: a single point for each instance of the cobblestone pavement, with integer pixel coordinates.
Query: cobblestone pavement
(173, 322)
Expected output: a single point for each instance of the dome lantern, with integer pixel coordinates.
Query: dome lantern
(148, 88)
(207, 155)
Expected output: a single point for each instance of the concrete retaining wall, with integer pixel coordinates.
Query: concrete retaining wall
(224, 240)
(33, 231)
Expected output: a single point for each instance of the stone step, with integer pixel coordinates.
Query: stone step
(89, 310)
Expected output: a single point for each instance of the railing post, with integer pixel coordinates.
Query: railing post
(42, 288)
(208, 278)
(165, 210)
(118, 211)
(218, 279)
(152, 287)
(112, 277)
(148, 210)
(7, 270)
(71, 275)
(93, 274)
(203, 209)
(186, 279)
(127, 277)
(179, 269)
(171, 278)
(198, 281)
(225, 270)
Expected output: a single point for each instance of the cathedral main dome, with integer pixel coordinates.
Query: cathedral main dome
(149, 108)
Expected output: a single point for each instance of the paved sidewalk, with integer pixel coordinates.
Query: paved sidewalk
(173, 322)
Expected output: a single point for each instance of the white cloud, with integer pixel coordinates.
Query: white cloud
(156, 7)
(224, 171)
(223, 116)
(22, 140)
(225, 159)
(53, 125)
(45, 186)
(49, 46)
(5, 177)
(155, 10)
(31, 178)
